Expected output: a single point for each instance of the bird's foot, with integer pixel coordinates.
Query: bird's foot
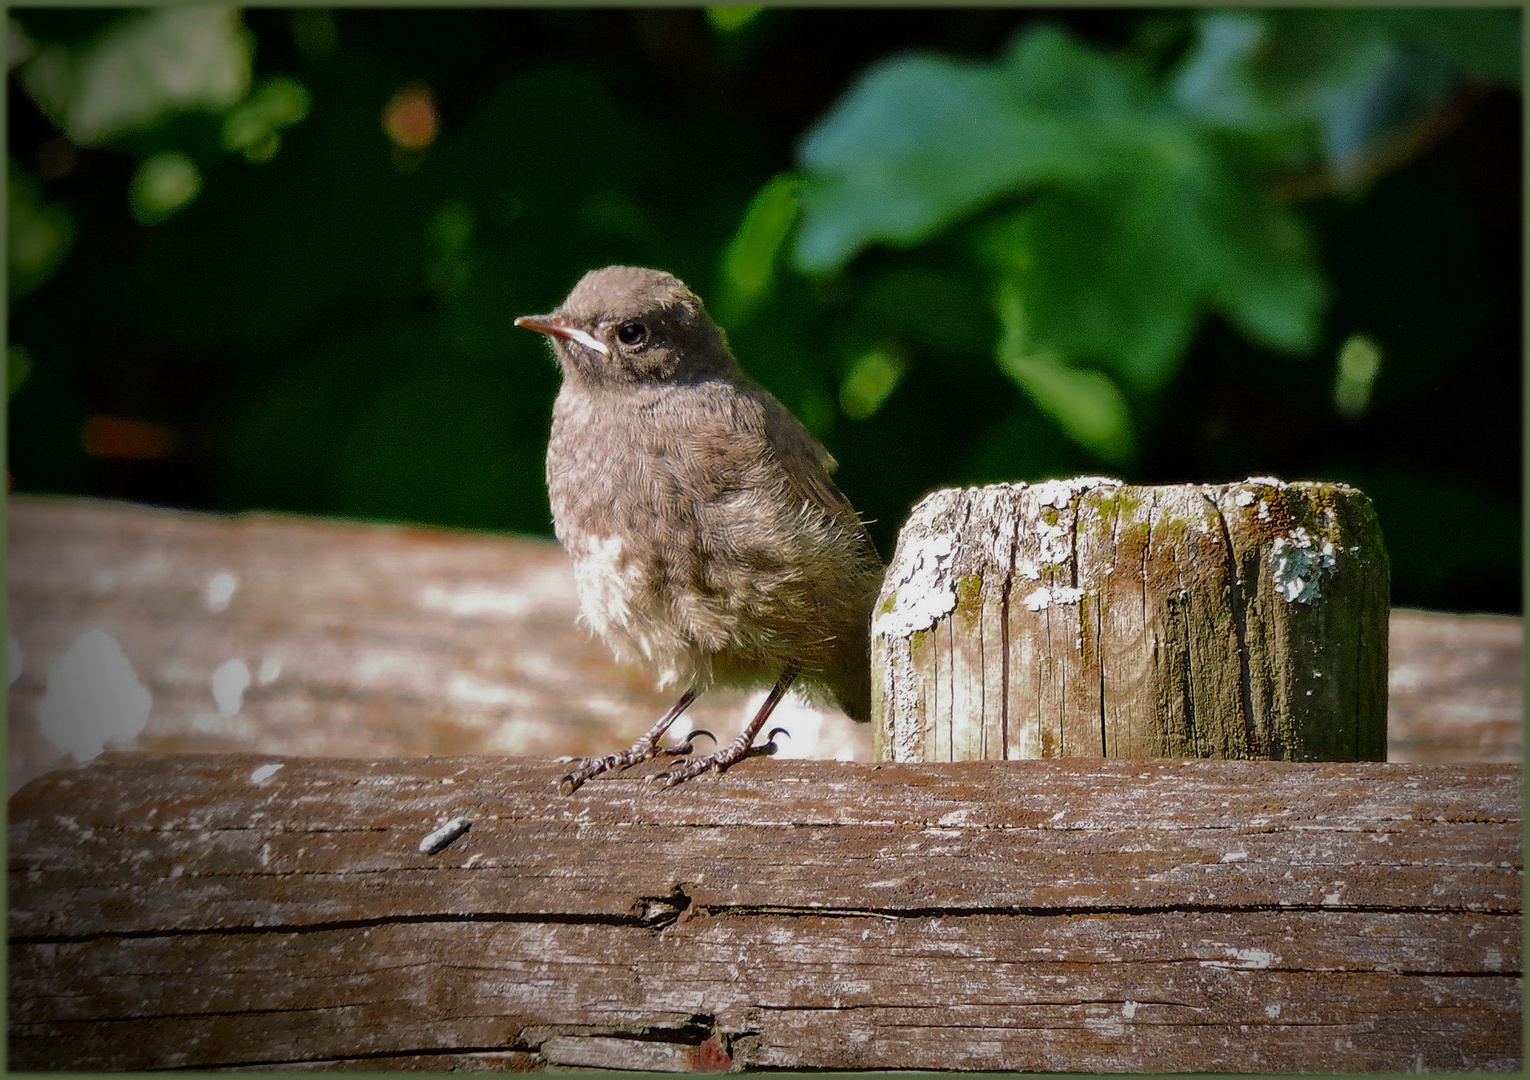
(639, 751)
(717, 762)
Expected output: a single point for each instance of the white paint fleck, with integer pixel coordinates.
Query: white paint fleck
(925, 589)
(93, 698)
(1243, 498)
(12, 659)
(1045, 597)
(1270, 480)
(229, 683)
(1109, 1027)
(1492, 960)
(1128, 1009)
(220, 590)
(1061, 493)
(270, 668)
(1331, 898)
(1299, 565)
(438, 839)
(1249, 959)
(1235, 856)
(265, 772)
(1273, 1011)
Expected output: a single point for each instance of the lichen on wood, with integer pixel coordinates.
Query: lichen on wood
(1089, 617)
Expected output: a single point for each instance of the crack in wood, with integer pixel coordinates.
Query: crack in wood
(1239, 603)
(378, 1055)
(1082, 911)
(1004, 643)
(715, 910)
(591, 919)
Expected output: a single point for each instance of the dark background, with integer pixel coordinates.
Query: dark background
(325, 327)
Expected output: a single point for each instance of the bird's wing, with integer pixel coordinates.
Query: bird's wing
(807, 464)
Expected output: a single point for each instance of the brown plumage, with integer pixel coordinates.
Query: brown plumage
(708, 541)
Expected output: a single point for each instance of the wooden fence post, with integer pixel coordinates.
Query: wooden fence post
(1088, 617)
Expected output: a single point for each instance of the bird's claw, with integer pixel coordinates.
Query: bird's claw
(715, 763)
(684, 746)
(640, 751)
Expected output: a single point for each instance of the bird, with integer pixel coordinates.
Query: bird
(709, 543)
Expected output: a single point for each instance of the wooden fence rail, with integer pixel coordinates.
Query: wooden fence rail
(268, 905)
(1072, 915)
(343, 638)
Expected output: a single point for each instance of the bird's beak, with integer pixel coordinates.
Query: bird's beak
(557, 326)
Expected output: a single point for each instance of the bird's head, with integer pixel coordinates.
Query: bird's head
(625, 324)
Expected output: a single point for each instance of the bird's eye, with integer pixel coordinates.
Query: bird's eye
(633, 334)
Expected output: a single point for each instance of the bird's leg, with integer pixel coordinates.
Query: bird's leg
(642, 750)
(738, 749)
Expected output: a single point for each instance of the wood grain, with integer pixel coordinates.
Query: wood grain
(1072, 915)
(1089, 617)
(356, 639)
(1455, 687)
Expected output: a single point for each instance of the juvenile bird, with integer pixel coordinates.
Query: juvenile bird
(708, 541)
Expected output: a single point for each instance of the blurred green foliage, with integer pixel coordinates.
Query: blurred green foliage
(962, 246)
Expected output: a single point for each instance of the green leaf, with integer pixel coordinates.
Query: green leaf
(1115, 281)
(251, 125)
(749, 261)
(162, 185)
(732, 19)
(872, 379)
(921, 141)
(1263, 275)
(1120, 276)
(1087, 404)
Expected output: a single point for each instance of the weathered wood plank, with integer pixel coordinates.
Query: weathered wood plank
(1080, 914)
(1455, 687)
(333, 638)
(394, 641)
